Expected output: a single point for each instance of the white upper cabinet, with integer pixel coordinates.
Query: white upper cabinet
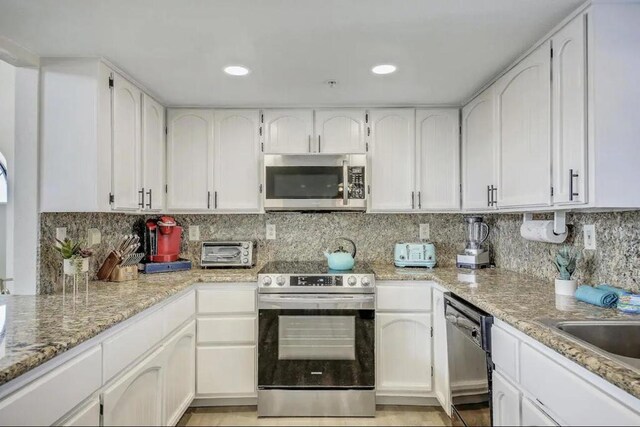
(569, 113)
(478, 152)
(523, 98)
(153, 154)
(125, 165)
(340, 131)
(392, 155)
(288, 131)
(438, 162)
(189, 159)
(237, 161)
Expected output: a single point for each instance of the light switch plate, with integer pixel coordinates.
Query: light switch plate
(194, 233)
(589, 236)
(94, 237)
(271, 231)
(424, 232)
(61, 233)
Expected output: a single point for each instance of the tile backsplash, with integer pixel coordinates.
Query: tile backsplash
(305, 236)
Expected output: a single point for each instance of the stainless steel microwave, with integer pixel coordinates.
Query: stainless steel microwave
(315, 182)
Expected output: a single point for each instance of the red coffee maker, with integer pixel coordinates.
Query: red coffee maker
(163, 239)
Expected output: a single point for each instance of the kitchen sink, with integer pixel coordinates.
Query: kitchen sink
(618, 339)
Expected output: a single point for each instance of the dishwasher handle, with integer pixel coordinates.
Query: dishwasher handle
(478, 330)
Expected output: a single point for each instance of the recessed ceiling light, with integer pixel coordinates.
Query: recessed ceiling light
(236, 70)
(383, 69)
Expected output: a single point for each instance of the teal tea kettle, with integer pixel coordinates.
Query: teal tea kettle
(341, 259)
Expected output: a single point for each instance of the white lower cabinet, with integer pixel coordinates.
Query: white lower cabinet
(506, 402)
(135, 399)
(228, 371)
(180, 373)
(87, 415)
(532, 415)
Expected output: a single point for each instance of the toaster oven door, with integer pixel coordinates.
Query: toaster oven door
(221, 255)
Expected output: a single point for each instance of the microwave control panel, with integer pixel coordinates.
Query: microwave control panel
(356, 182)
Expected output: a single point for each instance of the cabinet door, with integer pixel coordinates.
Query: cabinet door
(569, 114)
(340, 131)
(532, 415)
(440, 355)
(180, 373)
(524, 134)
(506, 402)
(189, 160)
(135, 399)
(404, 353)
(438, 159)
(392, 160)
(237, 161)
(153, 154)
(227, 371)
(87, 415)
(478, 151)
(125, 160)
(288, 131)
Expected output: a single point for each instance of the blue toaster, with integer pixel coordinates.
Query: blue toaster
(415, 255)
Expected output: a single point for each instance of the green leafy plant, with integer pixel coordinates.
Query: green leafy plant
(70, 249)
(565, 261)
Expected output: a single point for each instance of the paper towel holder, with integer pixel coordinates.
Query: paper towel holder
(559, 221)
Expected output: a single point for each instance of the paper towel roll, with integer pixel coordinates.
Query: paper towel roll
(541, 231)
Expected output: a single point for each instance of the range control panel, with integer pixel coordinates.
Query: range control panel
(321, 283)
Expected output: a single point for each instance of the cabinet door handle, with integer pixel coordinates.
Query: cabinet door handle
(208, 199)
(419, 199)
(571, 177)
(494, 197)
(215, 200)
(309, 143)
(319, 150)
(150, 204)
(489, 194)
(141, 194)
(413, 202)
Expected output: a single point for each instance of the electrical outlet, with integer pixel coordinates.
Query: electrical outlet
(589, 236)
(194, 233)
(61, 233)
(94, 237)
(424, 231)
(271, 231)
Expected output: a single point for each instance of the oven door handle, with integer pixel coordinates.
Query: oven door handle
(325, 302)
(316, 299)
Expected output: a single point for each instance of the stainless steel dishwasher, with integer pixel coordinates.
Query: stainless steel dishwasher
(470, 366)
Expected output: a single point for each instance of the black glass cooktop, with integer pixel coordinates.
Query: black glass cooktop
(310, 268)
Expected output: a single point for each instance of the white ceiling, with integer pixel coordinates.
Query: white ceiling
(444, 49)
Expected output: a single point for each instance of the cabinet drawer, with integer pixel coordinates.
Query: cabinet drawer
(50, 397)
(228, 371)
(179, 311)
(87, 415)
(532, 415)
(403, 296)
(227, 330)
(574, 400)
(504, 352)
(135, 340)
(226, 301)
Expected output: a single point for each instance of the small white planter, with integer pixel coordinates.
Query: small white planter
(72, 267)
(566, 287)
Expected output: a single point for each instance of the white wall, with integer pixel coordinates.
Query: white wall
(7, 137)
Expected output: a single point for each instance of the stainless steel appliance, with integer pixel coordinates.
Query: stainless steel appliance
(228, 254)
(415, 255)
(316, 340)
(315, 182)
(470, 365)
(474, 255)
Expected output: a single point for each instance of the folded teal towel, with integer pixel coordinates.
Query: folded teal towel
(610, 288)
(595, 296)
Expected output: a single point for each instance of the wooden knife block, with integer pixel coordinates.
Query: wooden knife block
(124, 274)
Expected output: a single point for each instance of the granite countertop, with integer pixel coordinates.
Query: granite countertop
(521, 301)
(39, 327)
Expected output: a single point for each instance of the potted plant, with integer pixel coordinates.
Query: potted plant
(565, 261)
(75, 257)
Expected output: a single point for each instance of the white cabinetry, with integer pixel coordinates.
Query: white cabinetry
(523, 98)
(180, 373)
(478, 152)
(438, 159)
(440, 352)
(506, 402)
(135, 399)
(532, 415)
(190, 159)
(403, 340)
(236, 161)
(87, 415)
(392, 155)
(340, 131)
(153, 154)
(288, 131)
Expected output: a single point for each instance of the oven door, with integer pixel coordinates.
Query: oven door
(311, 182)
(316, 341)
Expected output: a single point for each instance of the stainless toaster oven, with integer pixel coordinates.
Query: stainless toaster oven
(228, 254)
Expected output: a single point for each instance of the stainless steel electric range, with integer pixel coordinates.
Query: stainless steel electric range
(316, 343)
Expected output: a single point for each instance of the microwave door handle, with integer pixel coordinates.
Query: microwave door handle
(345, 183)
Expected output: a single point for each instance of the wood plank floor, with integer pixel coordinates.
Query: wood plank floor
(247, 416)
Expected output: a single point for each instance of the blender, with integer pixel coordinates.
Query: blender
(474, 256)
